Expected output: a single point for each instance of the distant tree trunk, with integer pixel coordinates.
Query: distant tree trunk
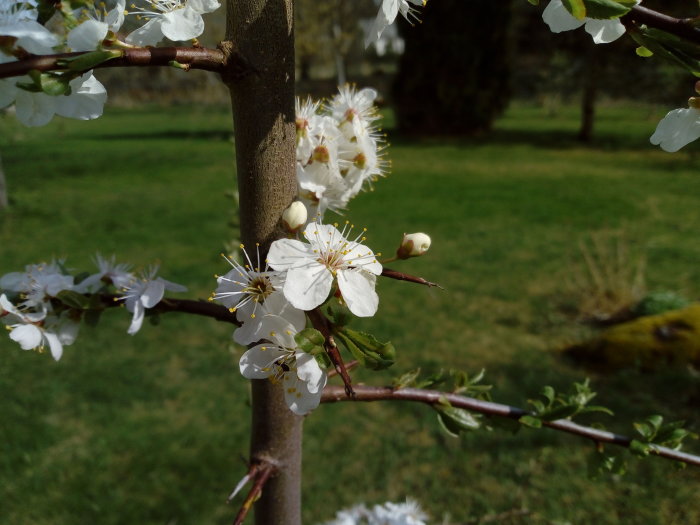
(3, 189)
(454, 74)
(591, 70)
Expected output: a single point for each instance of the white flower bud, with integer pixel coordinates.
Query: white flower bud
(413, 245)
(295, 216)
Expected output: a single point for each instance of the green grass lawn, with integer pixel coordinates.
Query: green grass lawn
(152, 429)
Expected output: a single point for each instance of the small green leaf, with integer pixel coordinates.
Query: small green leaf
(406, 380)
(531, 421)
(73, 299)
(323, 359)
(643, 52)
(309, 339)
(370, 352)
(549, 394)
(90, 60)
(605, 9)
(534, 2)
(640, 449)
(576, 8)
(455, 420)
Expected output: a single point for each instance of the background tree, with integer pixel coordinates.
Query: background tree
(458, 57)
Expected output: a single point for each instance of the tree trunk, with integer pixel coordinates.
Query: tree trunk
(589, 94)
(263, 114)
(3, 189)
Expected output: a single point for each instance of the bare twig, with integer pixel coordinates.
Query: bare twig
(320, 323)
(259, 472)
(192, 57)
(332, 394)
(399, 276)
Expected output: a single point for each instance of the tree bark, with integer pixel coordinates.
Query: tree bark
(264, 128)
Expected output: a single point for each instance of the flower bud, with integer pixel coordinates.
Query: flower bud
(413, 245)
(294, 217)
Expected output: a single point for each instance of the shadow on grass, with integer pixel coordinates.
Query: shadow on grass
(223, 135)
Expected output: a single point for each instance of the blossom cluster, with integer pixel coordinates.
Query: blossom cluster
(78, 94)
(270, 302)
(388, 11)
(44, 305)
(408, 513)
(339, 149)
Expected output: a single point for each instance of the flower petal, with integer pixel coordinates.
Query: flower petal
(310, 372)
(558, 18)
(153, 293)
(54, 344)
(357, 287)
(677, 129)
(148, 34)
(86, 101)
(297, 395)
(604, 31)
(306, 288)
(258, 362)
(27, 335)
(137, 319)
(288, 253)
(87, 36)
(182, 24)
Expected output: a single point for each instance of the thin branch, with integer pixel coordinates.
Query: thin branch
(400, 276)
(332, 394)
(190, 57)
(189, 306)
(682, 28)
(320, 323)
(349, 366)
(260, 472)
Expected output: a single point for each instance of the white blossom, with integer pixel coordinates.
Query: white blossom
(407, 513)
(280, 360)
(143, 293)
(18, 19)
(109, 273)
(314, 266)
(95, 24)
(678, 128)
(558, 18)
(38, 283)
(173, 19)
(387, 14)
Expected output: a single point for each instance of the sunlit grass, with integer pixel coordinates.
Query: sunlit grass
(151, 429)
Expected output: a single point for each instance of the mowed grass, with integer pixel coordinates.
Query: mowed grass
(152, 429)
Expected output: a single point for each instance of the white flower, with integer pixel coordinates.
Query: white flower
(387, 15)
(38, 283)
(408, 513)
(110, 273)
(313, 267)
(35, 330)
(281, 360)
(246, 287)
(173, 19)
(558, 18)
(90, 33)
(18, 19)
(85, 102)
(678, 128)
(146, 293)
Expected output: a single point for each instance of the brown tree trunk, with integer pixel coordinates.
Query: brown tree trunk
(263, 113)
(589, 94)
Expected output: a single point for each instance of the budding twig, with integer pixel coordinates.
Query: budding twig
(322, 324)
(400, 276)
(333, 394)
(191, 57)
(259, 472)
(676, 26)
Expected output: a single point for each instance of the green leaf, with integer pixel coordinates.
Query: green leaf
(534, 2)
(643, 52)
(640, 449)
(370, 352)
(309, 340)
(606, 9)
(73, 299)
(90, 60)
(549, 394)
(576, 8)
(560, 412)
(531, 421)
(455, 420)
(406, 380)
